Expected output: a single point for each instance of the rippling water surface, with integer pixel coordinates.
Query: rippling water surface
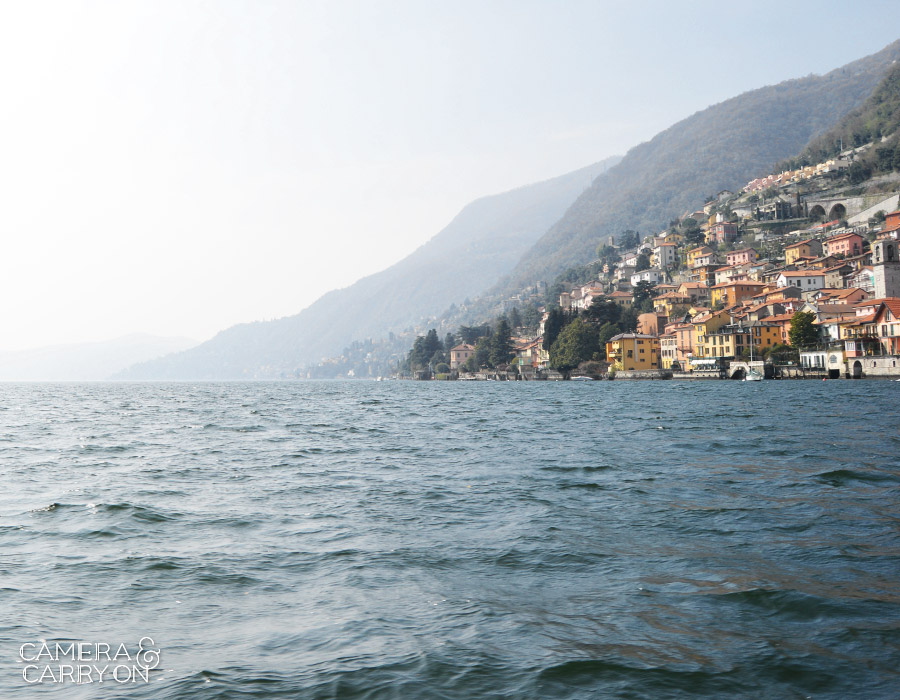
(458, 540)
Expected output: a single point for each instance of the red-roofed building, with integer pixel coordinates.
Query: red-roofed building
(846, 244)
(741, 257)
(460, 354)
(722, 233)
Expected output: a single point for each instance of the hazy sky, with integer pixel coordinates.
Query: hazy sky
(178, 167)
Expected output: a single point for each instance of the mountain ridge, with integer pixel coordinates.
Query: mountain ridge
(658, 180)
(473, 251)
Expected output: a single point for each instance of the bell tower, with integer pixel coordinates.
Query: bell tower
(886, 266)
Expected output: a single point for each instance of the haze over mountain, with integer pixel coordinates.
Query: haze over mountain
(480, 245)
(86, 361)
(721, 147)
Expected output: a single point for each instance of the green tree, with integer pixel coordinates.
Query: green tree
(629, 239)
(483, 351)
(433, 344)
(417, 357)
(470, 334)
(858, 172)
(515, 318)
(531, 317)
(629, 319)
(608, 254)
(803, 333)
(601, 311)
(643, 291)
(556, 320)
(576, 344)
(693, 235)
(607, 331)
(643, 262)
(471, 364)
(449, 344)
(501, 345)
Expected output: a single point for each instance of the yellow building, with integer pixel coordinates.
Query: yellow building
(699, 252)
(665, 304)
(668, 349)
(628, 351)
(705, 325)
(804, 249)
(735, 341)
(622, 298)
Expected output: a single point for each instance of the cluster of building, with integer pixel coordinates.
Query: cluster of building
(734, 305)
(787, 177)
(724, 307)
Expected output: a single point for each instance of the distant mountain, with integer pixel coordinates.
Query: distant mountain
(722, 147)
(86, 361)
(472, 253)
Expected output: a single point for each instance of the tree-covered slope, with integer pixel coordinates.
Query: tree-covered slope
(874, 119)
(472, 253)
(722, 147)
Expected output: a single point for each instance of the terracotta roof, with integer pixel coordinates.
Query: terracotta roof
(672, 295)
(875, 302)
(894, 305)
(860, 320)
(629, 336)
(843, 235)
(799, 243)
(734, 284)
(803, 273)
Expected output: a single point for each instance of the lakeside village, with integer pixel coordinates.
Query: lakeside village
(796, 276)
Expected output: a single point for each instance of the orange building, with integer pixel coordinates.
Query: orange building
(731, 293)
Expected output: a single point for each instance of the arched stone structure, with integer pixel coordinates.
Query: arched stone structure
(837, 212)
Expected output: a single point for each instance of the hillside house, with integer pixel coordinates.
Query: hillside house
(459, 355)
(805, 280)
(810, 248)
(722, 232)
(846, 244)
(633, 351)
(664, 255)
(741, 257)
(652, 275)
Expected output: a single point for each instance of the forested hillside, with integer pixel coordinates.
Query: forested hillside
(873, 121)
(722, 147)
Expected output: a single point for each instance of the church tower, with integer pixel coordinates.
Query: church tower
(886, 266)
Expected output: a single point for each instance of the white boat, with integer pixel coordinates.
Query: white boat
(752, 375)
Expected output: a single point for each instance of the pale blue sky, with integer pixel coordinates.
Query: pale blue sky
(177, 167)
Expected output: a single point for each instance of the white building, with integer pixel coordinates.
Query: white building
(806, 280)
(652, 275)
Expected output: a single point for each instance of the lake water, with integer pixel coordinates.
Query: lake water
(456, 540)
